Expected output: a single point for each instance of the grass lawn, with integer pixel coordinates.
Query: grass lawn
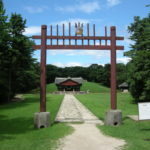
(16, 125)
(136, 134)
(86, 86)
(94, 87)
(49, 88)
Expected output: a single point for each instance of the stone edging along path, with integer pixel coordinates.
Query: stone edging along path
(86, 136)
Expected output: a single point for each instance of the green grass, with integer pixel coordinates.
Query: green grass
(49, 88)
(86, 86)
(134, 133)
(94, 87)
(16, 125)
(100, 103)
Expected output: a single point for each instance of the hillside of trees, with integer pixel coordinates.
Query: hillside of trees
(93, 73)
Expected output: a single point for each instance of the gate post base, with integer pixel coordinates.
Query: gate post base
(113, 118)
(42, 120)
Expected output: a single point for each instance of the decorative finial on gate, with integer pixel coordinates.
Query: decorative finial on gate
(79, 29)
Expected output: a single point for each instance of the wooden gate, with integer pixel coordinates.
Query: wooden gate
(70, 41)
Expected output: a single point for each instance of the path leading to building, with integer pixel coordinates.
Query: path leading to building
(72, 110)
(86, 136)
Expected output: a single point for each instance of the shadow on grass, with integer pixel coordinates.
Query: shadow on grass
(10, 127)
(145, 129)
(28, 100)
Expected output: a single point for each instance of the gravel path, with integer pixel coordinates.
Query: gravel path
(72, 110)
(86, 136)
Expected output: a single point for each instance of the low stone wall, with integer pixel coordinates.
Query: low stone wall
(70, 92)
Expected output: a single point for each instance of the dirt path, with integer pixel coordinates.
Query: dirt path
(72, 110)
(86, 135)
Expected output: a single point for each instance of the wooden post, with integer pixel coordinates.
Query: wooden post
(69, 32)
(88, 30)
(113, 68)
(94, 32)
(43, 69)
(105, 35)
(51, 33)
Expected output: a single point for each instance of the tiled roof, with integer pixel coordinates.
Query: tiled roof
(123, 85)
(60, 80)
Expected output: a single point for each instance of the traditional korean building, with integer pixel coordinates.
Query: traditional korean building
(68, 84)
(124, 87)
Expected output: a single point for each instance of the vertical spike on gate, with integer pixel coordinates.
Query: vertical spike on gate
(100, 42)
(82, 34)
(105, 35)
(69, 32)
(57, 30)
(63, 34)
(94, 32)
(88, 30)
(75, 33)
(51, 33)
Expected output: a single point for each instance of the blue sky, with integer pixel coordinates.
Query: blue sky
(102, 13)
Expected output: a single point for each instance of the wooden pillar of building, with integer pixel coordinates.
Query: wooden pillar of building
(43, 69)
(113, 68)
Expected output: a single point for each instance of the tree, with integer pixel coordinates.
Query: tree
(140, 31)
(51, 73)
(139, 66)
(121, 73)
(106, 75)
(23, 74)
(4, 50)
(19, 72)
(139, 76)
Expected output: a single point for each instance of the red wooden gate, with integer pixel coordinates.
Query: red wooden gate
(85, 40)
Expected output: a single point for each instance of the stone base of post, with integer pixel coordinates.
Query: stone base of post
(113, 117)
(42, 119)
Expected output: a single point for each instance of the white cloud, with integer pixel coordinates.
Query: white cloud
(32, 30)
(128, 41)
(34, 10)
(94, 53)
(123, 60)
(58, 64)
(37, 29)
(88, 7)
(69, 64)
(72, 21)
(112, 3)
(73, 64)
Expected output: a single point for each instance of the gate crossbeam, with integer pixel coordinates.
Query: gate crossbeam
(78, 37)
(86, 47)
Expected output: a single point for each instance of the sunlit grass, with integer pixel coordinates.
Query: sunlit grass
(17, 130)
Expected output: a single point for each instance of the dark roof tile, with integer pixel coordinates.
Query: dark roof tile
(60, 80)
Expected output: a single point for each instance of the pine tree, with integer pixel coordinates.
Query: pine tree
(139, 67)
(4, 50)
(19, 72)
(23, 74)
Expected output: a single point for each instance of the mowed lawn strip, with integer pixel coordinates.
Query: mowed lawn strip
(49, 88)
(86, 86)
(94, 87)
(17, 130)
(136, 134)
